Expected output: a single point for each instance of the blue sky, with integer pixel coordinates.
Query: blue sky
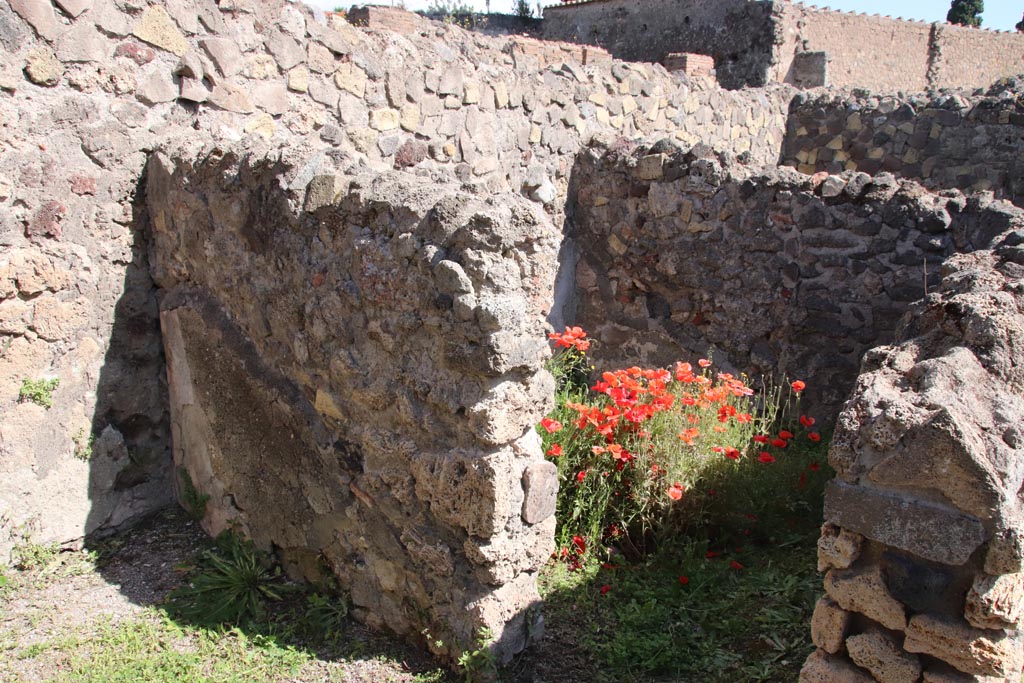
(999, 14)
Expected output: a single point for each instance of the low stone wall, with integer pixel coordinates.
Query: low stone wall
(355, 385)
(769, 270)
(922, 544)
(951, 140)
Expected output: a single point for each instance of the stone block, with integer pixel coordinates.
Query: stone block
(39, 15)
(42, 66)
(920, 585)
(286, 50)
(451, 82)
(193, 90)
(351, 78)
(15, 316)
(864, 591)
(323, 190)
(384, 119)
(829, 625)
(225, 55)
(298, 79)
(271, 97)
(156, 87)
(156, 27)
(56, 320)
(540, 486)
(651, 167)
(928, 530)
(231, 97)
(260, 124)
(82, 43)
(822, 667)
(46, 221)
(996, 602)
(970, 650)
(838, 548)
(409, 117)
(882, 655)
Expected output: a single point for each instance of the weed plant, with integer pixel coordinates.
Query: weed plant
(38, 391)
(231, 585)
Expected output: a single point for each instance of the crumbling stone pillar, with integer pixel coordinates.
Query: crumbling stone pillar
(923, 545)
(355, 384)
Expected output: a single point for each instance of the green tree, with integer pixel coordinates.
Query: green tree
(1020, 25)
(965, 12)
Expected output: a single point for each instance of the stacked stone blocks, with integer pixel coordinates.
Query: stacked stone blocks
(922, 544)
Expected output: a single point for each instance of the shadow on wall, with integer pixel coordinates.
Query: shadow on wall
(129, 449)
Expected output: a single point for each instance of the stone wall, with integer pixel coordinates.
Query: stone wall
(768, 270)
(922, 544)
(948, 140)
(356, 384)
(739, 34)
(757, 42)
(87, 89)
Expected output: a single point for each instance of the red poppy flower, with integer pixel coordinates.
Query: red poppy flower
(785, 434)
(711, 554)
(732, 454)
(736, 565)
(814, 467)
(573, 337)
(806, 421)
(605, 588)
(704, 362)
(675, 492)
(779, 443)
(684, 579)
(766, 457)
(814, 436)
(581, 475)
(550, 425)
(555, 450)
(688, 435)
(609, 565)
(581, 545)
(798, 386)
(761, 438)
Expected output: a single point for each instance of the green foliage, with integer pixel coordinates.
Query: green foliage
(230, 586)
(479, 664)
(29, 556)
(965, 12)
(1020, 24)
(449, 8)
(522, 9)
(325, 615)
(39, 391)
(718, 612)
(194, 502)
(157, 650)
(83, 444)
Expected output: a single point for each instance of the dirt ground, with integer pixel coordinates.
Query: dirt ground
(122, 578)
